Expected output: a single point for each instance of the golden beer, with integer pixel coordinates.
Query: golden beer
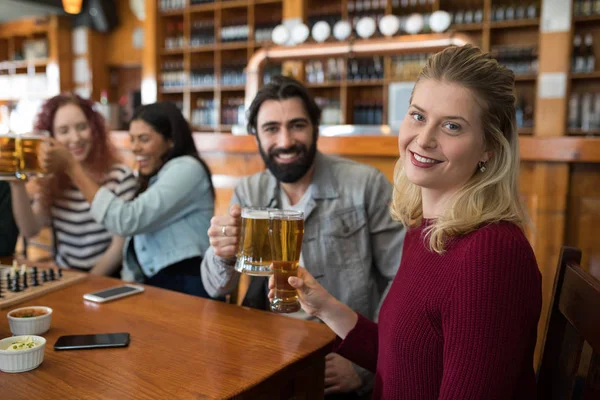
(254, 253)
(28, 148)
(19, 156)
(286, 231)
(8, 157)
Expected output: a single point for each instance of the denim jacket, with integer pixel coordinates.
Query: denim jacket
(169, 220)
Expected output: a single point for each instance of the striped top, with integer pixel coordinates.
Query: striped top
(79, 240)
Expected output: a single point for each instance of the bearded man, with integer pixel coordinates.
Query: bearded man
(351, 244)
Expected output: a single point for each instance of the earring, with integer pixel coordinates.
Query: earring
(481, 165)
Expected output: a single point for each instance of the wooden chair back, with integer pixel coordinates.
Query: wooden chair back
(574, 319)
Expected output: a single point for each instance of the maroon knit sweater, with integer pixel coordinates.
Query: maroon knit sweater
(461, 325)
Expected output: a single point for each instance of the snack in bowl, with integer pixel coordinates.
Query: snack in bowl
(21, 353)
(33, 320)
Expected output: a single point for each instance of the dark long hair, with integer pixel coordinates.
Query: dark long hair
(283, 88)
(166, 119)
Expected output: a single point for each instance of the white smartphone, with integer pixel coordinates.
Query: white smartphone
(113, 293)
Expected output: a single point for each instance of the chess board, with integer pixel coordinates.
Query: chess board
(10, 298)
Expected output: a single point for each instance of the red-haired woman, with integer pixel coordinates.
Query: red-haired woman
(80, 242)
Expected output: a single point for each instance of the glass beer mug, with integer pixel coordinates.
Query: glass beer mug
(254, 252)
(286, 231)
(19, 155)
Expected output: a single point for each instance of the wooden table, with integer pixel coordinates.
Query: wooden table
(182, 347)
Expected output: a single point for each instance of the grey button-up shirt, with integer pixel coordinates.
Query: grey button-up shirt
(351, 244)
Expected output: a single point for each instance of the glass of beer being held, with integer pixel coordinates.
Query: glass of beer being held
(254, 252)
(19, 155)
(286, 231)
(28, 150)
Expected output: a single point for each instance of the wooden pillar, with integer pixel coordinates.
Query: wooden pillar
(294, 9)
(550, 180)
(150, 54)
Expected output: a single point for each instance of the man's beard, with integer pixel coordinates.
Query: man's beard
(292, 172)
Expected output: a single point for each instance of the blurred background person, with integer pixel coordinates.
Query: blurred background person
(79, 241)
(166, 223)
(9, 231)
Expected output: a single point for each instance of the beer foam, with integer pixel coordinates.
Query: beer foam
(255, 214)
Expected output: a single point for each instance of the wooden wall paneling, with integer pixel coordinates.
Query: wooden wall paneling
(96, 61)
(549, 221)
(583, 223)
(120, 49)
(60, 51)
(150, 59)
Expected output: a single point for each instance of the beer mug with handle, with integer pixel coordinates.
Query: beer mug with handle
(286, 231)
(9, 161)
(19, 155)
(254, 252)
(28, 149)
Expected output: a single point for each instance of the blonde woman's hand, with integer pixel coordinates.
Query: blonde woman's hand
(224, 232)
(314, 299)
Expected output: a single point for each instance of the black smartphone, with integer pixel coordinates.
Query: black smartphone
(74, 342)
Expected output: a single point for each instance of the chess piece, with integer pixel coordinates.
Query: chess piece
(25, 285)
(35, 277)
(59, 272)
(44, 276)
(51, 274)
(16, 287)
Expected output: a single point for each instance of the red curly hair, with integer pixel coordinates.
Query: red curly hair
(102, 156)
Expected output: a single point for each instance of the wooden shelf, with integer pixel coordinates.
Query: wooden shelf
(588, 18)
(466, 27)
(267, 1)
(232, 45)
(233, 88)
(205, 128)
(205, 48)
(202, 89)
(586, 75)
(318, 85)
(519, 23)
(173, 13)
(526, 131)
(174, 90)
(10, 65)
(526, 78)
(374, 82)
(198, 8)
(173, 52)
(582, 132)
(234, 4)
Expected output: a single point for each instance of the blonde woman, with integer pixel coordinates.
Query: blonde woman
(461, 316)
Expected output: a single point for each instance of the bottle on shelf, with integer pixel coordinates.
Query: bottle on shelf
(573, 118)
(169, 5)
(521, 60)
(579, 60)
(368, 113)
(331, 113)
(590, 58)
(205, 113)
(173, 75)
(203, 33)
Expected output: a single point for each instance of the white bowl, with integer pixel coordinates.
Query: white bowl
(21, 360)
(29, 326)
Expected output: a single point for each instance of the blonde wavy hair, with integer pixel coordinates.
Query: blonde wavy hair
(489, 196)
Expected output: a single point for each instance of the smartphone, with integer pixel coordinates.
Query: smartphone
(113, 293)
(74, 342)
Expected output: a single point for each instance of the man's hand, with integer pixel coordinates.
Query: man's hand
(224, 232)
(340, 375)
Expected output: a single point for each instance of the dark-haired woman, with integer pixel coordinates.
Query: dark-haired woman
(79, 241)
(166, 223)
